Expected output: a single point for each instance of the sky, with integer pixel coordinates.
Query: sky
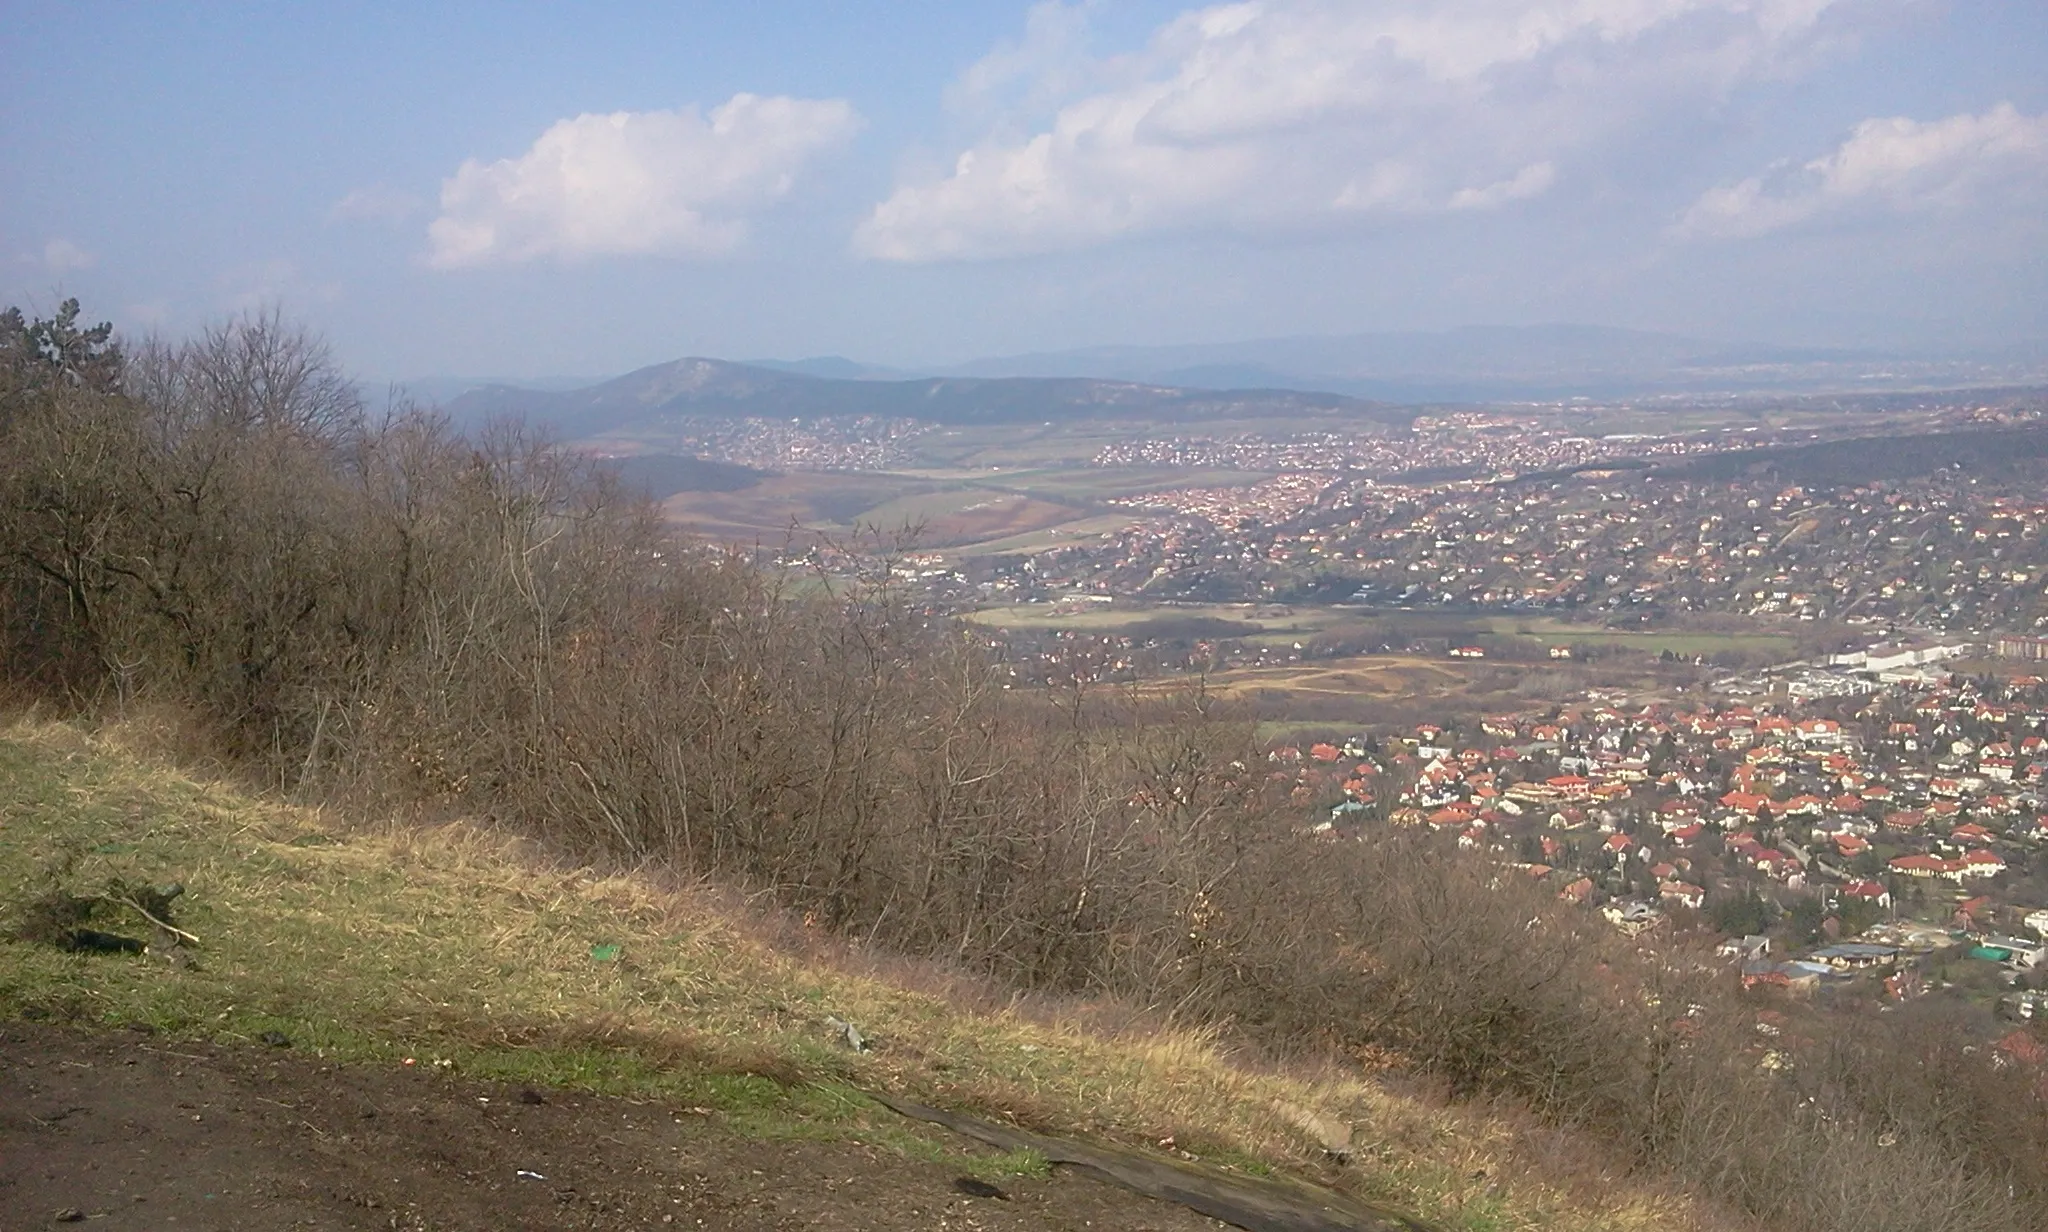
(526, 190)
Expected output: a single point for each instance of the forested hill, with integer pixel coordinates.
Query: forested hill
(1876, 458)
(718, 388)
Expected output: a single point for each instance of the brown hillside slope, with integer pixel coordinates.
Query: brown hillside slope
(467, 952)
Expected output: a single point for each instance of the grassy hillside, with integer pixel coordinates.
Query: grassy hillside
(451, 944)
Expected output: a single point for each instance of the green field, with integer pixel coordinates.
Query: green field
(1271, 624)
(1095, 483)
(1652, 641)
(1062, 535)
(970, 511)
(1262, 623)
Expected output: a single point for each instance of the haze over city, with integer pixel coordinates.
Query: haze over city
(529, 191)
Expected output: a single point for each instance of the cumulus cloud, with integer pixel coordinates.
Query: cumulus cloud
(648, 183)
(1531, 181)
(1049, 62)
(61, 256)
(1893, 164)
(1289, 112)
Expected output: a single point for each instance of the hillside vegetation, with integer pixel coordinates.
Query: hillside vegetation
(379, 614)
(1997, 452)
(458, 943)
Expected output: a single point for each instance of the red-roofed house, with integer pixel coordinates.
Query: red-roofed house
(1572, 786)
(1982, 863)
(1745, 802)
(1928, 866)
(1681, 893)
(1820, 731)
(2023, 1047)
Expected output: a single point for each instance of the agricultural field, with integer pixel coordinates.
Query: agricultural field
(810, 503)
(1331, 689)
(1682, 642)
(1370, 678)
(1266, 624)
(1099, 483)
(1330, 697)
(965, 512)
(950, 517)
(1093, 526)
(1254, 623)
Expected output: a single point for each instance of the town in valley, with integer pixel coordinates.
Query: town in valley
(1743, 676)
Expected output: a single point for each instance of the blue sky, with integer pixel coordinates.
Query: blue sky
(526, 190)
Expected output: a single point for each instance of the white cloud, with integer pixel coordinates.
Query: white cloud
(375, 203)
(1047, 64)
(667, 183)
(1894, 164)
(1284, 113)
(61, 256)
(1531, 181)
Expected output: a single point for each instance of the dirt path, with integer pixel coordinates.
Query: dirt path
(118, 1130)
(1254, 1203)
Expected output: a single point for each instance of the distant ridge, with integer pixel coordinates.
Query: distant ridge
(697, 387)
(1540, 362)
(837, 367)
(441, 389)
(1478, 364)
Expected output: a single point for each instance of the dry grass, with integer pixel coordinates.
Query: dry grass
(451, 942)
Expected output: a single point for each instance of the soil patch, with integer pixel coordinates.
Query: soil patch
(1253, 1203)
(119, 1130)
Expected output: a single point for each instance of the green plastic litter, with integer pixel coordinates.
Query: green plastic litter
(606, 953)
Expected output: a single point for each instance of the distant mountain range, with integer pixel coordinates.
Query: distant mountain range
(718, 388)
(1257, 379)
(1546, 362)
